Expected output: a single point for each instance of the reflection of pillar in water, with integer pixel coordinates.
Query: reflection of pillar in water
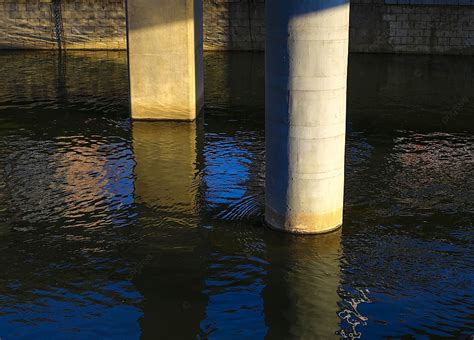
(171, 277)
(301, 298)
(165, 156)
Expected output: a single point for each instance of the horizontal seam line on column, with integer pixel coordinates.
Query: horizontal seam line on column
(318, 126)
(317, 175)
(336, 88)
(335, 170)
(344, 39)
(157, 54)
(317, 138)
(327, 39)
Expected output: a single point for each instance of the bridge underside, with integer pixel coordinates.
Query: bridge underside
(306, 73)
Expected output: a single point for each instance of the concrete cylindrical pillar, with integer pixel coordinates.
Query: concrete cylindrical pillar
(306, 74)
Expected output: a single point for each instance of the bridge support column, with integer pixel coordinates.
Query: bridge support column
(165, 58)
(306, 71)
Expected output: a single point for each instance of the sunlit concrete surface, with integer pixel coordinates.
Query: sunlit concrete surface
(165, 59)
(306, 74)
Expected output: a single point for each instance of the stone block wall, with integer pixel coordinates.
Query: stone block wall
(234, 24)
(380, 26)
(85, 24)
(395, 26)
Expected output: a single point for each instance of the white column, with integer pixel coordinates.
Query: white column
(165, 58)
(306, 71)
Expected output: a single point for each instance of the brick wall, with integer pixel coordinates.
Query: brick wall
(234, 24)
(384, 26)
(390, 26)
(100, 24)
(86, 24)
(396, 27)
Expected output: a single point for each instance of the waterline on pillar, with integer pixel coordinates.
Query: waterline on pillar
(315, 223)
(157, 113)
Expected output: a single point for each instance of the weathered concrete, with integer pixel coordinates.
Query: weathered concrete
(306, 72)
(165, 59)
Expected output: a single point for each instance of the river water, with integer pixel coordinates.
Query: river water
(114, 228)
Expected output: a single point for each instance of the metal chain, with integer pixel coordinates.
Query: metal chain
(58, 34)
(57, 18)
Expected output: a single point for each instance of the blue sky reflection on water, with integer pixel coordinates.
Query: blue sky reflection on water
(225, 171)
(108, 228)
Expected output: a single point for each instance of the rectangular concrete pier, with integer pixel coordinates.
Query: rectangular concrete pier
(165, 58)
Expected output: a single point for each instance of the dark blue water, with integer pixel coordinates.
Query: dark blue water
(112, 228)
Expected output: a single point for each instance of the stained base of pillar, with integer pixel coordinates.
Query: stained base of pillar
(304, 223)
(157, 113)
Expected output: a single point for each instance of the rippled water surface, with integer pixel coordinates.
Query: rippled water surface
(116, 228)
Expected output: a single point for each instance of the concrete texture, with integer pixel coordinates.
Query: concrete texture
(306, 75)
(165, 59)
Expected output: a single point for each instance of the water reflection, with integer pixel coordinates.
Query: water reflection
(389, 93)
(119, 229)
(64, 85)
(197, 275)
(301, 289)
(165, 154)
(66, 205)
(171, 276)
(233, 155)
(233, 282)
